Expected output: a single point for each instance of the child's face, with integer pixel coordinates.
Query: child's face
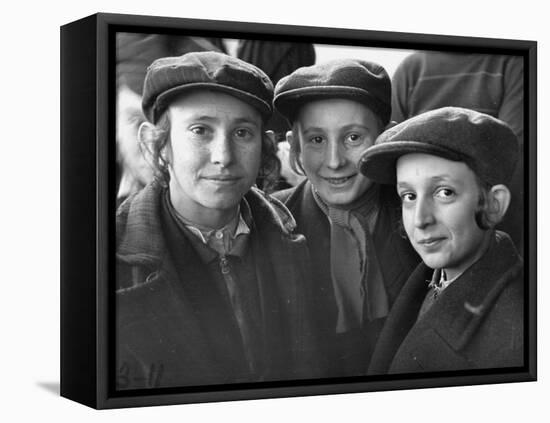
(439, 201)
(332, 134)
(215, 153)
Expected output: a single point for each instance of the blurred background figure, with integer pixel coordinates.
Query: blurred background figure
(288, 175)
(487, 83)
(276, 60)
(134, 172)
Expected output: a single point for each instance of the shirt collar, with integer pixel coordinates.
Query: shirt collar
(205, 235)
(228, 240)
(439, 280)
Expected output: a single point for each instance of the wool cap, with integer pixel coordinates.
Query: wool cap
(359, 80)
(486, 144)
(170, 76)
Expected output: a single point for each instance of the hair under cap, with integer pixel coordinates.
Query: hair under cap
(170, 76)
(486, 144)
(359, 80)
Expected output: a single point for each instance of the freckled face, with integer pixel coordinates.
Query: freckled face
(333, 134)
(215, 153)
(439, 201)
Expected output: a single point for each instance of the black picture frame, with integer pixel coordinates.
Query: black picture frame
(88, 204)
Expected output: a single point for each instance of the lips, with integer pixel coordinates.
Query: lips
(430, 242)
(339, 180)
(222, 179)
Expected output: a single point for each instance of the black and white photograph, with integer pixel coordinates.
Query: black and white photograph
(260, 239)
(291, 214)
(275, 212)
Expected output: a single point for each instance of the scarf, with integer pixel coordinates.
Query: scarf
(358, 284)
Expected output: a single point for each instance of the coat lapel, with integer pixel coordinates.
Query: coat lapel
(395, 254)
(313, 223)
(437, 341)
(276, 289)
(401, 319)
(207, 299)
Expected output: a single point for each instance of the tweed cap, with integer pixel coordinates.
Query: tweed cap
(170, 76)
(358, 80)
(486, 144)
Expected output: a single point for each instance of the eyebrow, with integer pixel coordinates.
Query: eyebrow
(238, 121)
(438, 178)
(247, 120)
(311, 129)
(355, 125)
(343, 128)
(445, 178)
(402, 185)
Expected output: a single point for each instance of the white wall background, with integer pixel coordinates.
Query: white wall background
(29, 298)
(388, 58)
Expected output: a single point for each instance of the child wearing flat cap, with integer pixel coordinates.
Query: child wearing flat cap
(462, 308)
(210, 274)
(336, 110)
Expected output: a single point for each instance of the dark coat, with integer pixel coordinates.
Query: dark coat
(348, 354)
(477, 322)
(175, 326)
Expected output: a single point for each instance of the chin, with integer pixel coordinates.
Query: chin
(338, 198)
(223, 204)
(435, 262)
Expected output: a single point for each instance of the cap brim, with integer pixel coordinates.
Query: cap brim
(163, 100)
(287, 103)
(378, 163)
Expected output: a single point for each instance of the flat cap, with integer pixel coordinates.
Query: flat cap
(486, 144)
(170, 76)
(359, 80)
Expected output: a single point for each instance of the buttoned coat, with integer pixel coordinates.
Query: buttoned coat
(175, 327)
(349, 354)
(476, 322)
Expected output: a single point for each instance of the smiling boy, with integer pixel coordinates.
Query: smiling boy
(462, 308)
(336, 110)
(210, 275)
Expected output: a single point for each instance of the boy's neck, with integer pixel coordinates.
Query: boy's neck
(205, 218)
(453, 273)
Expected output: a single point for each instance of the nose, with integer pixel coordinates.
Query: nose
(423, 214)
(221, 152)
(335, 157)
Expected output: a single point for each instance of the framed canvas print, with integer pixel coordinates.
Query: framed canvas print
(255, 211)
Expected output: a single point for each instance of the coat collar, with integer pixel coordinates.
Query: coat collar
(302, 197)
(300, 200)
(395, 254)
(139, 227)
(463, 305)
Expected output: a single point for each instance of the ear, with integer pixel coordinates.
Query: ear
(146, 132)
(271, 136)
(294, 146)
(147, 135)
(498, 201)
(289, 136)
